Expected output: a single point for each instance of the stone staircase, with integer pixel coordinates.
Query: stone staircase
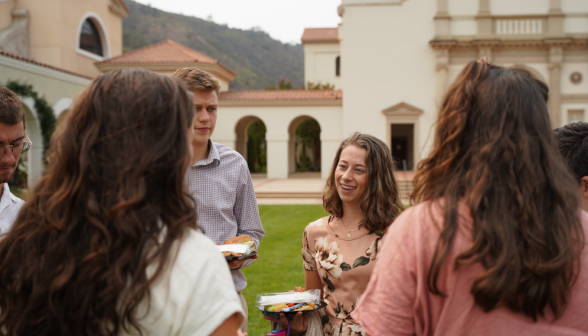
(302, 189)
(404, 189)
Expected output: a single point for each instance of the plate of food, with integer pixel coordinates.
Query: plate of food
(239, 247)
(291, 309)
(290, 303)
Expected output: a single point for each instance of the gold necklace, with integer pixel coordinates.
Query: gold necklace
(349, 231)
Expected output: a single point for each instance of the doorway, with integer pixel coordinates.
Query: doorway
(403, 146)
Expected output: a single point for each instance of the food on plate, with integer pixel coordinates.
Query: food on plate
(295, 307)
(308, 306)
(244, 240)
(291, 301)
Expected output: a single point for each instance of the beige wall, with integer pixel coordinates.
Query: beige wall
(389, 65)
(567, 87)
(510, 7)
(56, 86)
(5, 12)
(54, 27)
(319, 63)
(53, 87)
(574, 6)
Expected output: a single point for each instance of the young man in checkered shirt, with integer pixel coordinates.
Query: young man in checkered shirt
(218, 178)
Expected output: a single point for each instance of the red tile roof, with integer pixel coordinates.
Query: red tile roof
(166, 51)
(320, 35)
(30, 60)
(265, 95)
(122, 3)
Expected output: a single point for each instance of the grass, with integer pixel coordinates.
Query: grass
(279, 267)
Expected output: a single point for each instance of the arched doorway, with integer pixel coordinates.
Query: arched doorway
(304, 145)
(251, 143)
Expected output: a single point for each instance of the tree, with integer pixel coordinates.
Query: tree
(308, 138)
(319, 86)
(256, 147)
(282, 85)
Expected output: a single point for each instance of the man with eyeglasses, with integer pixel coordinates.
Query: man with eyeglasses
(14, 142)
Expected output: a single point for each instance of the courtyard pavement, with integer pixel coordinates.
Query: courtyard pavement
(306, 188)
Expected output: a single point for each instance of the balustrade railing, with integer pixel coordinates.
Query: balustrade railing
(519, 26)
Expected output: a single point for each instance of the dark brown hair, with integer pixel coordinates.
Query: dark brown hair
(11, 112)
(380, 203)
(197, 79)
(573, 145)
(494, 152)
(111, 203)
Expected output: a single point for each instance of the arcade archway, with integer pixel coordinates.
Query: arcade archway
(251, 143)
(304, 145)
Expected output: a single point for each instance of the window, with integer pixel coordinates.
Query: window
(90, 38)
(338, 66)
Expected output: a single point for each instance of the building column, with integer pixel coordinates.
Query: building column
(485, 52)
(35, 154)
(442, 68)
(484, 19)
(555, 18)
(442, 20)
(277, 159)
(554, 103)
(328, 151)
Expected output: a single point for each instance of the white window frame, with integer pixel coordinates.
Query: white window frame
(104, 40)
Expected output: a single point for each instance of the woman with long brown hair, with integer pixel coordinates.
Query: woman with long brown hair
(106, 244)
(341, 250)
(496, 244)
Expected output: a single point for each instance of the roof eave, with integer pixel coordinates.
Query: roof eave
(215, 69)
(119, 7)
(320, 41)
(291, 102)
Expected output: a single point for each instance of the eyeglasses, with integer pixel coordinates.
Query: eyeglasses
(19, 148)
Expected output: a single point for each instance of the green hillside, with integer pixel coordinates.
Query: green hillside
(258, 60)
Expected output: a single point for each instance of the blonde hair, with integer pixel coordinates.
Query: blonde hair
(196, 79)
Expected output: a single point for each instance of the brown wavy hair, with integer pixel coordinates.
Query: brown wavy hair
(380, 203)
(494, 152)
(111, 204)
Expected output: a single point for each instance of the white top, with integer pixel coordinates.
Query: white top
(9, 207)
(193, 297)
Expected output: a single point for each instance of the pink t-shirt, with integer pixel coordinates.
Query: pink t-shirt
(397, 300)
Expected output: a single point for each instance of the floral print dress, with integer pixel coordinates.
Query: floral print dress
(344, 266)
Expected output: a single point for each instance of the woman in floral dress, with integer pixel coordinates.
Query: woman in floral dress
(340, 250)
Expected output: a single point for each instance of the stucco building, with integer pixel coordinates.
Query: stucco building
(392, 60)
(389, 61)
(53, 45)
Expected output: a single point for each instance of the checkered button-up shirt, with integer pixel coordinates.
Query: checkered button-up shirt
(226, 206)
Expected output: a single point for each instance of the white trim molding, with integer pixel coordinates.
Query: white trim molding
(43, 71)
(371, 3)
(402, 109)
(403, 113)
(103, 37)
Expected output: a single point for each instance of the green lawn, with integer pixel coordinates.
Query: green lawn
(279, 267)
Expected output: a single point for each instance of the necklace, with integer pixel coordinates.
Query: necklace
(349, 231)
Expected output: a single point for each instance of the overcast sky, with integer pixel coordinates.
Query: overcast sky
(284, 20)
